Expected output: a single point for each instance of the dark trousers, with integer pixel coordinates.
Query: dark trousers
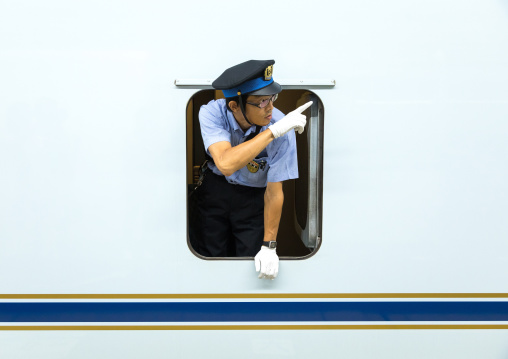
(227, 220)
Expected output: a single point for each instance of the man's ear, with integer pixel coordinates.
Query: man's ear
(233, 106)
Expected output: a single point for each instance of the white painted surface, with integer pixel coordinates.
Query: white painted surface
(92, 172)
(468, 344)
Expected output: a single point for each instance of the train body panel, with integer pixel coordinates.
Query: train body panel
(95, 134)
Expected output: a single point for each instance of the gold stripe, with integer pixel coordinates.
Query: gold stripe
(255, 295)
(248, 327)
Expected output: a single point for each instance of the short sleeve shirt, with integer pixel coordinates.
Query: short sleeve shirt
(218, 124)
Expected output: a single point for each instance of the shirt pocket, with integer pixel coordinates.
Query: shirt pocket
(255, 175)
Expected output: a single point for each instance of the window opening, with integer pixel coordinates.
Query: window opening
(299, 234)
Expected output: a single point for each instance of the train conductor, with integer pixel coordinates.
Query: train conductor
(251, 150)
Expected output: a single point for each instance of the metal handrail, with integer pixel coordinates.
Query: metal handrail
(311, 234)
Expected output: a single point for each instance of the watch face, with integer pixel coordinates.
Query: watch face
(272, 245)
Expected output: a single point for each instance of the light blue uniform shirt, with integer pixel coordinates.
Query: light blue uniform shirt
(218, 124)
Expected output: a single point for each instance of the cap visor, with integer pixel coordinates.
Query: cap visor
(271, 89)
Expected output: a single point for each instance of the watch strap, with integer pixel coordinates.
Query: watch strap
(271, 244)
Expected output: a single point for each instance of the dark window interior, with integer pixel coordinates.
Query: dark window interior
(296, 192)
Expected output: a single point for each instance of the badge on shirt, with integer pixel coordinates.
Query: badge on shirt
(254, 166)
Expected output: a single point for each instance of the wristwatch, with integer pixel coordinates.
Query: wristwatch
(271, 244)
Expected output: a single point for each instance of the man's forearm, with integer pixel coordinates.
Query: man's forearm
(233, 158)
(274, 200)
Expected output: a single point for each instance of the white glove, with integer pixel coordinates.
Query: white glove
(294, 119)
(267, 261)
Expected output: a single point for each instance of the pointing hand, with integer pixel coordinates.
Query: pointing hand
(294, 119)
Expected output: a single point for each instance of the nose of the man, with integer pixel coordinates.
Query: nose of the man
(269, 107)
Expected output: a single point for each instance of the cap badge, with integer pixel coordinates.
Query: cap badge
(268, 73)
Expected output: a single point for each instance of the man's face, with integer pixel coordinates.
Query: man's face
(256, 115)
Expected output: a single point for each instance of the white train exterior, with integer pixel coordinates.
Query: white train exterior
(406, 176)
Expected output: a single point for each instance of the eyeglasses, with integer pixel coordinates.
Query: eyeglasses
(265, 102)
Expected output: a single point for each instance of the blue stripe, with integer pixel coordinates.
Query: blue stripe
(246, 87)
(253, 311)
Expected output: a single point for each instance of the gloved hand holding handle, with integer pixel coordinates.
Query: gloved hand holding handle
(267, 263)
(294, 119)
